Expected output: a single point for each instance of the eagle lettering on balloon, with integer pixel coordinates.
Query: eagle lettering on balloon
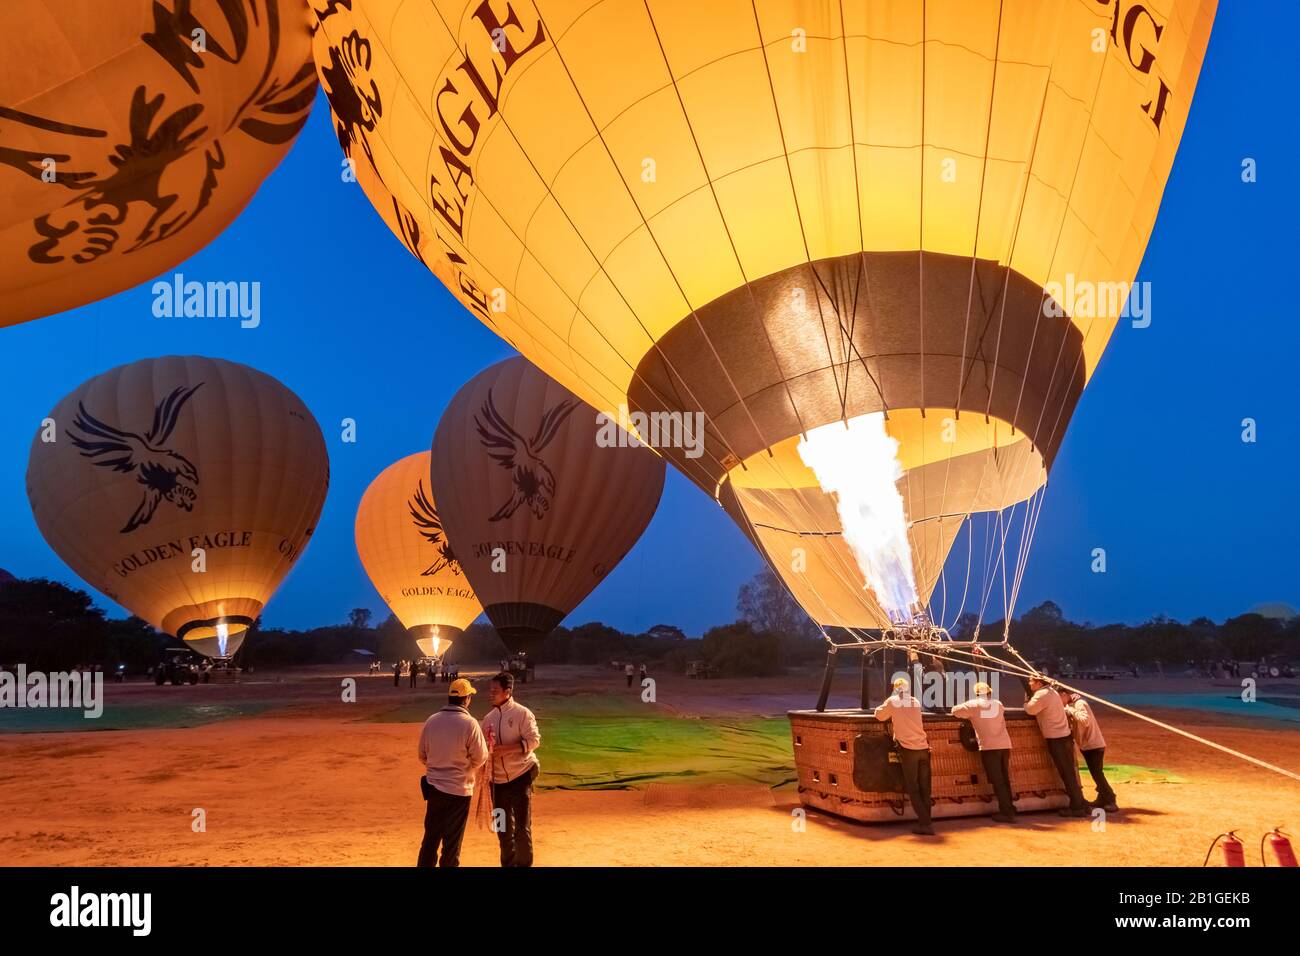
(534, 482)
(166, 474)
(427, 522)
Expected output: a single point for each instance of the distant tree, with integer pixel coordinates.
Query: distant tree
(737, 650)
(134, 642)
(1046, 615)
(50, 626)
(666, 632)
(1250, 636)
(963, 629)
(359, 617)
(766, 604)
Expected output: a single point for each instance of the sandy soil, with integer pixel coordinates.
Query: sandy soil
(316, 782)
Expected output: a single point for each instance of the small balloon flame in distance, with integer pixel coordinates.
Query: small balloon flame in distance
(856, 461)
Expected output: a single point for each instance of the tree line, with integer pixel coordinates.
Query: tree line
(49, 626)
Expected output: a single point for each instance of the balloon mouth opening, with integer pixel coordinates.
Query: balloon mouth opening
(434, 640)
(217, 636)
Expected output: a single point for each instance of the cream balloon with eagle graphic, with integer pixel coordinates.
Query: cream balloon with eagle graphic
(880, 245)
(405, 551)
(537, 502)
(184, 488)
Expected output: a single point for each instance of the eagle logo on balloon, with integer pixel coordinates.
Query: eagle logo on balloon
(127, 196)
(533, 480)
(427, 522)
(166, 475)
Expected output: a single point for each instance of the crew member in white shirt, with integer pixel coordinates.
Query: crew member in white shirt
(513, 739)
(903, 711)
(452, 750)
(1087, 735)
(1045, 704)
(988, 717)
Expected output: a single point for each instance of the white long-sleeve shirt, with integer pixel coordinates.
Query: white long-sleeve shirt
(988, 717)
(452, 749)
(1048, 710)
(1087, 733)
(514, 728)
(904, 711)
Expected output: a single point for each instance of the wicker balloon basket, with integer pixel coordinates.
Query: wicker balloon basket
(847, 767)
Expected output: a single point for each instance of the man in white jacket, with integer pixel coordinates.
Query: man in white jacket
(452, 750)
(513, 739)
(1045, 704)
(987, 716)
(903, 711)
(1087, 735)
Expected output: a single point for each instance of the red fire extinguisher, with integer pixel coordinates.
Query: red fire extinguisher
(1280, 845)
(1234, 851)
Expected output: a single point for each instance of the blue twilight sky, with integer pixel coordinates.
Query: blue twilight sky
(1194, 521)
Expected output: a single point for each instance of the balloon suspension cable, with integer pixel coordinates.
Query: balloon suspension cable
(1026, 669)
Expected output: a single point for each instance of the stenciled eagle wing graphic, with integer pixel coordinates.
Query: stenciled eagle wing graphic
(534, 482)
(165, 474)
(427, 522)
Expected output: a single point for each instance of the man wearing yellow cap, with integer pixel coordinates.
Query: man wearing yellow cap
(903, 711)
(988, 717)
(452, 749)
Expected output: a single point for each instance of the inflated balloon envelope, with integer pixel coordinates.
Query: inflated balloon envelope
(184, 488)
(405, 551)
(132, 132)
(539, 498)
(915, 215)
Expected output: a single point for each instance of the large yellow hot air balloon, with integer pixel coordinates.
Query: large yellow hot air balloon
(184, 488)
(539, 498)
(132, 132)
(880, 245)
(404, 550)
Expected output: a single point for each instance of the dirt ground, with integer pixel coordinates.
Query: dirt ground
(312, 780)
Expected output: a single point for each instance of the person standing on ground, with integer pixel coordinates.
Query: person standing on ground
(1045, 704)
(1088, 738)
(988, 718)
(452, 749)
(513, 739)
(397, 673)
(629, 672)
(903, 711)
(642, 681)
(415, 674)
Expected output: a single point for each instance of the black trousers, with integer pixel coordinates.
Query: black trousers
(512, 806)
(445, 816)
(916, 781)
(997, 767)
(1062, 751)
(1096, 761)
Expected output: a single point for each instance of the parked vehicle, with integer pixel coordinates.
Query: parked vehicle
(179, 665)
